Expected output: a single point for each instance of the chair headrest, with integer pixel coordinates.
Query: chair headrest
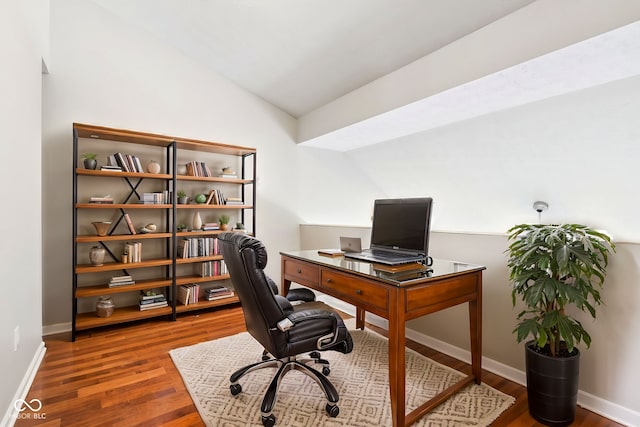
(244, 242)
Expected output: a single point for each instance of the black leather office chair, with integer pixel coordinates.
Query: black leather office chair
(285, 331)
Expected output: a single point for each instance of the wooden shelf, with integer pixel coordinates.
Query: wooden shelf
(185, 280)
(111, 266)
(99, 290)
(213, 179)
(91, 172)
(120, 315)
(120, 206)
(207, 304)
(203, 206)
(198, 259)
(122, 237)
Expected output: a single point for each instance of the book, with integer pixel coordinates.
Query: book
(330, 252)
(127, 219)
(153, 306)
(101, 199)
(215, 297)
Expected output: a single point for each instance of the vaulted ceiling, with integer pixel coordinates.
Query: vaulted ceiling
(303, 55)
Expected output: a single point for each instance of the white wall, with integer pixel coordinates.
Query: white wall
(106, 73)
(21, 52)
(577, 152)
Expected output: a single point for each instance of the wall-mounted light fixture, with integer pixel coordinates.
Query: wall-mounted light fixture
(540, 207)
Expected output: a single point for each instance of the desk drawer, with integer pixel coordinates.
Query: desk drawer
(357, 291)
(299, 272)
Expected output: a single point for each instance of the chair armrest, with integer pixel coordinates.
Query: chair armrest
(285, 304)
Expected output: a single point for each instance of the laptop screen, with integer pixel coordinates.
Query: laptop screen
(402, 224)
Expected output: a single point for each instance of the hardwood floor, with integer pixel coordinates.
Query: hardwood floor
(123, 376)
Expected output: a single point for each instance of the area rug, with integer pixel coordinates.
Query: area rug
(361, 378)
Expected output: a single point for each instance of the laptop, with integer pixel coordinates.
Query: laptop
(350, 244)
(400, 232)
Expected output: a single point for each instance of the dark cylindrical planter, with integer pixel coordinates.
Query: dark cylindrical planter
(552, 386)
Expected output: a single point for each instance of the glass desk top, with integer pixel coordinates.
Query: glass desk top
(440, 268)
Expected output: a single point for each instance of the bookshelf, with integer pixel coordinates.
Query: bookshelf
(131, 199)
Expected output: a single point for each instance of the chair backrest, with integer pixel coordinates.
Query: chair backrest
(246, 258)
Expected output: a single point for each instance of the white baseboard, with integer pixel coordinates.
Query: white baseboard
(11, 414)
(600, 406)
(58, 328)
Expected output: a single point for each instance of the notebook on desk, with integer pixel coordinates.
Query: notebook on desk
(399, 233)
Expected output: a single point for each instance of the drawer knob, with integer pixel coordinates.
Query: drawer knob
(329, 281)
(299, 271)
(358, 291)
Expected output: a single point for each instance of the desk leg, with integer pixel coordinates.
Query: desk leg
(397, 357)
(360, 314)
(475, 325)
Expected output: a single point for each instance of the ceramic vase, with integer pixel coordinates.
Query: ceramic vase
(102, 227)
(197, 221)
(104, 307)
(153, 167)
(96, 255)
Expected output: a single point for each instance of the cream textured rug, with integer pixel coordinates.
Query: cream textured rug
(361, 378)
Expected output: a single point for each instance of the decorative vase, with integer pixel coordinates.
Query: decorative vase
(104, 307)
(197, 221)
(183, 200)
(96, 255)
(224, 227)
(102, 227)
(153, 167)
(90, 163)
(182, 169)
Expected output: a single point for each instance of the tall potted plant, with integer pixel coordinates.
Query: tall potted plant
(554, 267)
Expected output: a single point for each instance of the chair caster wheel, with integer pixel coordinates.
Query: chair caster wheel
(332, 410)
(314, 355)
(326, 371)
(269, 421)
(235, 389)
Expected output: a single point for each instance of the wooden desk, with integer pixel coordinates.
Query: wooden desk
(359, 283)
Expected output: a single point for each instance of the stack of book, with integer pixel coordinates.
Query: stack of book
(234, 201)
(132, 252)
(150, 300)
(101, 199)
(126, 162)
(198, 169)
(121, 281)
(212, 268)
(157, 198)
(210, 226)
(188, 294)
(198, 246)
(216, 197)
(112, 168)
(218, 292)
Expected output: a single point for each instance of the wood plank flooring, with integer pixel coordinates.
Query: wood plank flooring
(123, 376)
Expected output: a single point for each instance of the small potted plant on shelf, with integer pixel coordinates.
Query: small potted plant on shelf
(240, 228)
(182, 197)
(553, 267)
(90, 161)
(224, 222)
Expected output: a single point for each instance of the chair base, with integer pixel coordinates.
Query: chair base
(285, 365)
